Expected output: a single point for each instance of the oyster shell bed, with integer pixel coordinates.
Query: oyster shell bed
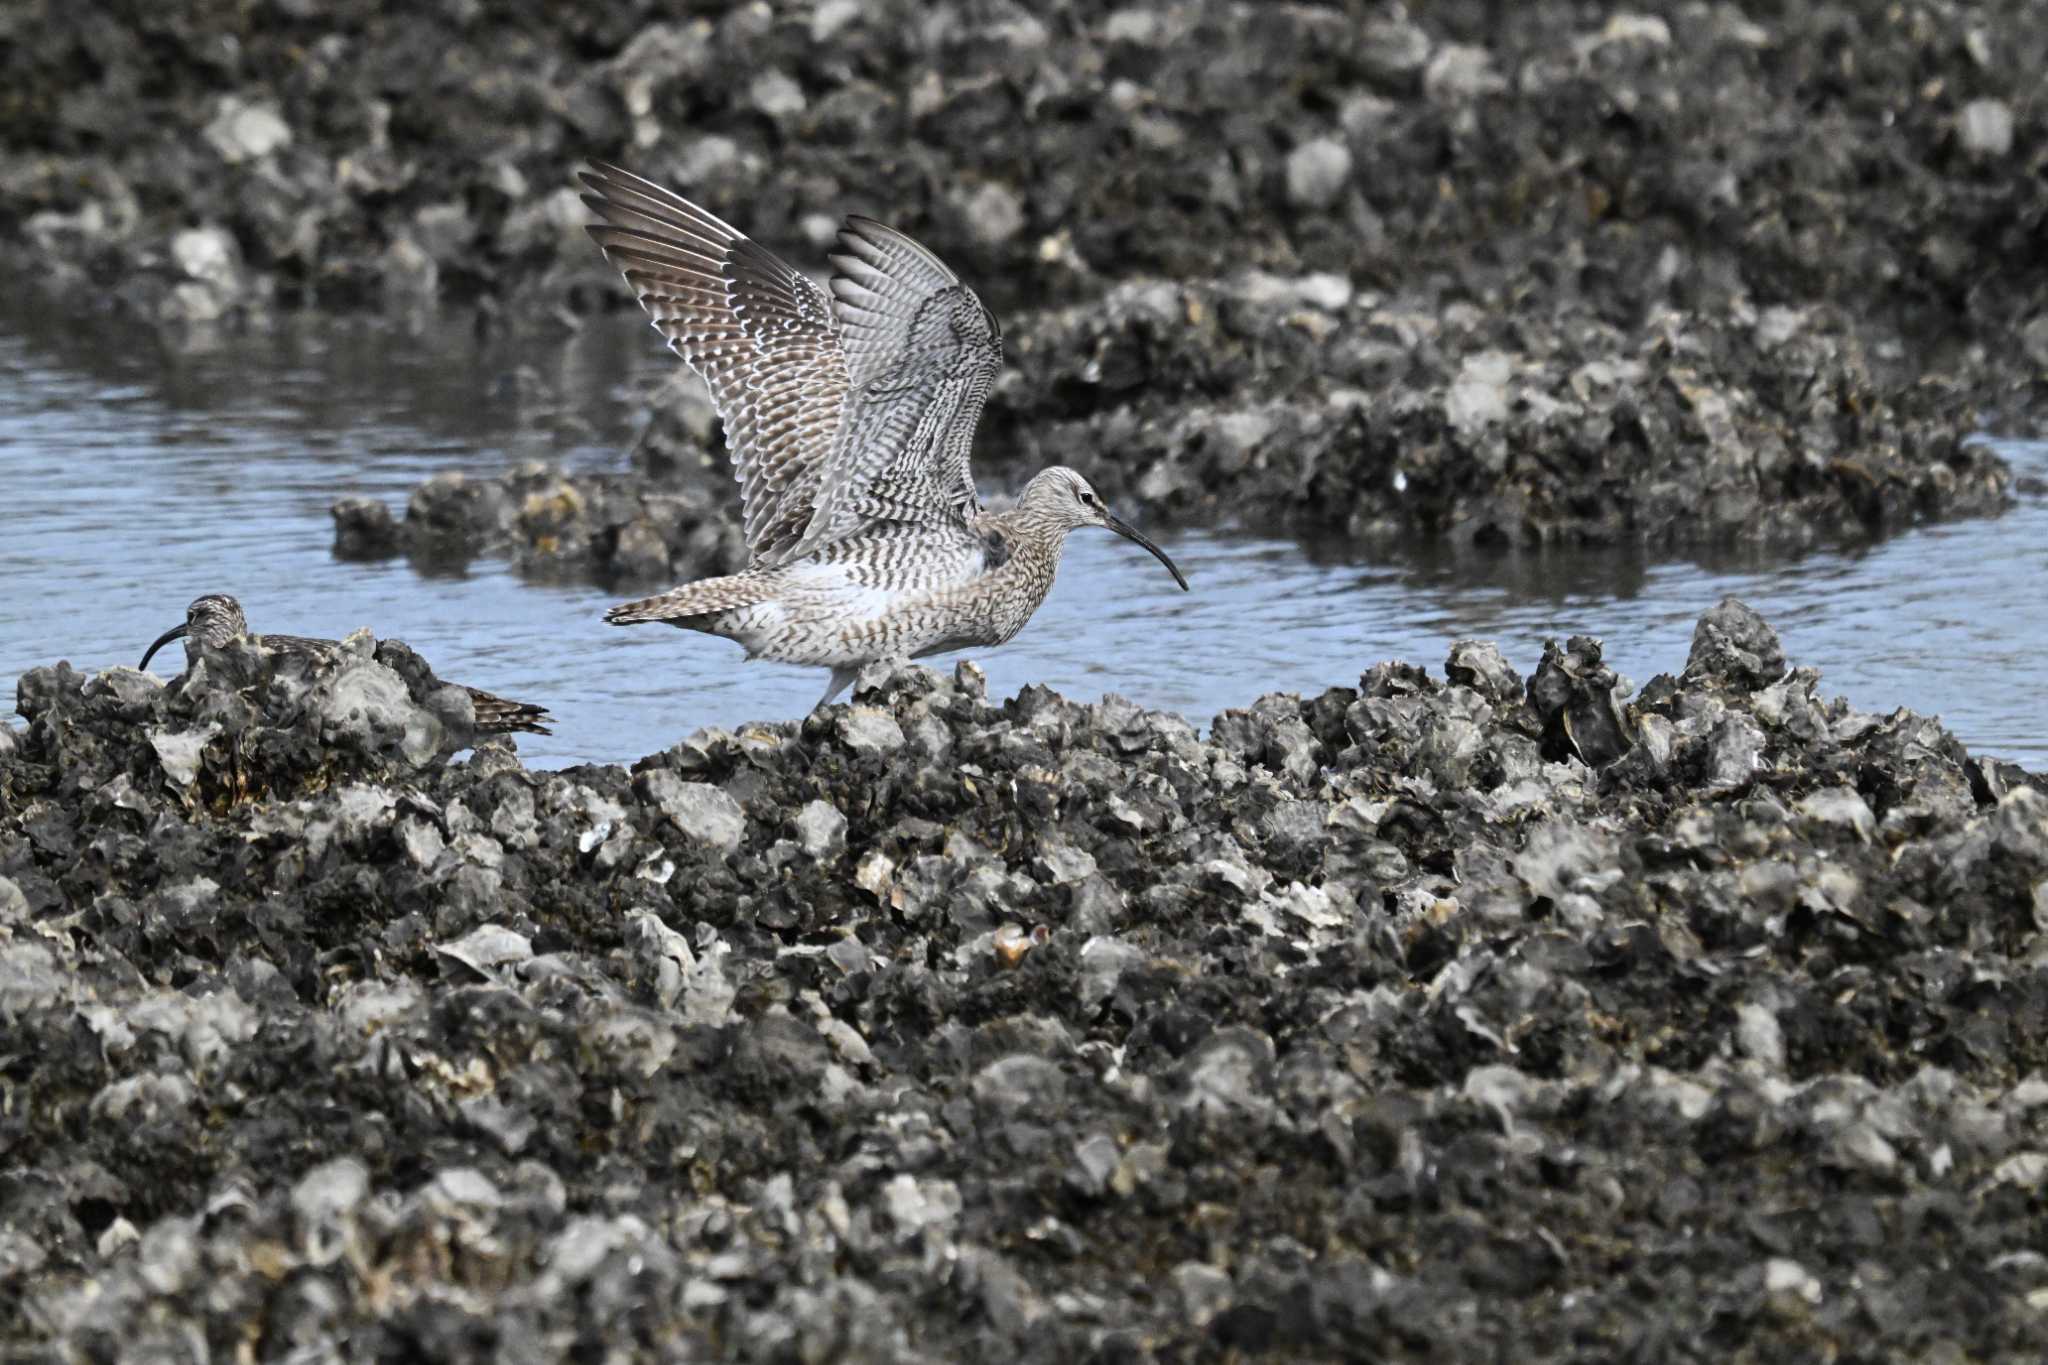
(1449, 1016)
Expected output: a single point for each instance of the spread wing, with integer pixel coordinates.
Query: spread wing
(761, 335)
(839, 409)
(921, 355)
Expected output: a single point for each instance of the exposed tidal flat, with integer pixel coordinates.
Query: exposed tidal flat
(1484, 1006)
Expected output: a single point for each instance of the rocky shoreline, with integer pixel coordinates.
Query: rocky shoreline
(1669, 276)
(1453, 1015)
(1683, 435)
(1449, 1017)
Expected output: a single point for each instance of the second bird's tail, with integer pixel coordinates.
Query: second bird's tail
(499, 715)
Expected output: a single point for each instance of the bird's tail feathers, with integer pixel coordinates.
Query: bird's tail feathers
(499, 715)
(705, 597)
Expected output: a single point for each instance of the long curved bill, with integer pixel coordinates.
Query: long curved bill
(177, 633)
(1130, 532)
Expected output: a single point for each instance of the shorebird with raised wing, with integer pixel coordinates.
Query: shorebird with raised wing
(849, 415)
(213, 620)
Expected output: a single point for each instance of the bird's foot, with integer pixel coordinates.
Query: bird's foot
(842, 678)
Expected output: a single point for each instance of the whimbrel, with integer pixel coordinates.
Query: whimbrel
(216, 618)
(849, 415)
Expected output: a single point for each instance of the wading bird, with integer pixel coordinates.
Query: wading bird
(849, 415)
(213, 620)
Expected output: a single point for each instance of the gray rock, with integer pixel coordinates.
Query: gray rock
(143, 1100)
(994, 213)
(1734, 645)
(914, 1205)
(364, 529)
(409, 270)
(29, 977)
(14, 910)
(180, 752)
(1478, 397)
(368, 706)
(167, 1258)
(1843, 807)
(20, 1255)
(1479, 665)
(1231, 1071)
(777, 96)
(487, 949)
(1759, 1035)
(2034, 340)
(1457, 73)
(1317, 173)
(1394, 50)
(831, 16)
(1579, 699)
(869, 730)
(1326, 290)
(1985, 128)
(246, 131)
(1104, 960)
(192, 302)
(1063, 863)
(1020, 1085)
(1204, 1290)
(1095, 1161)
(820, 829)
(711, 158)
(209, 255)
(323, 1199)
(699, 810)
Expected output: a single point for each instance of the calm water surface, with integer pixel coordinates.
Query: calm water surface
(136, 479)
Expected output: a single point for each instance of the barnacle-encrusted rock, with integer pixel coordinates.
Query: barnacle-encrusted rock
(1514, 1020)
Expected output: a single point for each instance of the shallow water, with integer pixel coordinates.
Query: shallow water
(136, 479)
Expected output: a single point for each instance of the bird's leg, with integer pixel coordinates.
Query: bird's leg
(842, 678)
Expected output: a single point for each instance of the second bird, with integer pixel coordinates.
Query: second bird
(213, 620)
(849, 416)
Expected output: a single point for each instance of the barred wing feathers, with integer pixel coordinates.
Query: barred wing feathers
(758, 332)
(922, 354)
(840, 409)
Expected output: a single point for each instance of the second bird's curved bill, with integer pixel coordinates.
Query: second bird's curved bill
(178, 633)
(1130, 532)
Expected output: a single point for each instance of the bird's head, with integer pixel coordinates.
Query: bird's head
(1064, 499)
(212, 621)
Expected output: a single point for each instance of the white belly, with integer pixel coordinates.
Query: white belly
(844, 613)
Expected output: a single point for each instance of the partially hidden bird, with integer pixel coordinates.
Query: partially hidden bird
(213, 620)
(849, 414)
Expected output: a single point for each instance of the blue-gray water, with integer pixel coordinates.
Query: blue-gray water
(136, 479)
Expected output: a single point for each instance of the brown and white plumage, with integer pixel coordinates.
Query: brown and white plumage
(850, 418)
(213, 620)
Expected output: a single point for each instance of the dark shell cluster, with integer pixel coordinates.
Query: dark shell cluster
(1687, 433)
(1448, 1015)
